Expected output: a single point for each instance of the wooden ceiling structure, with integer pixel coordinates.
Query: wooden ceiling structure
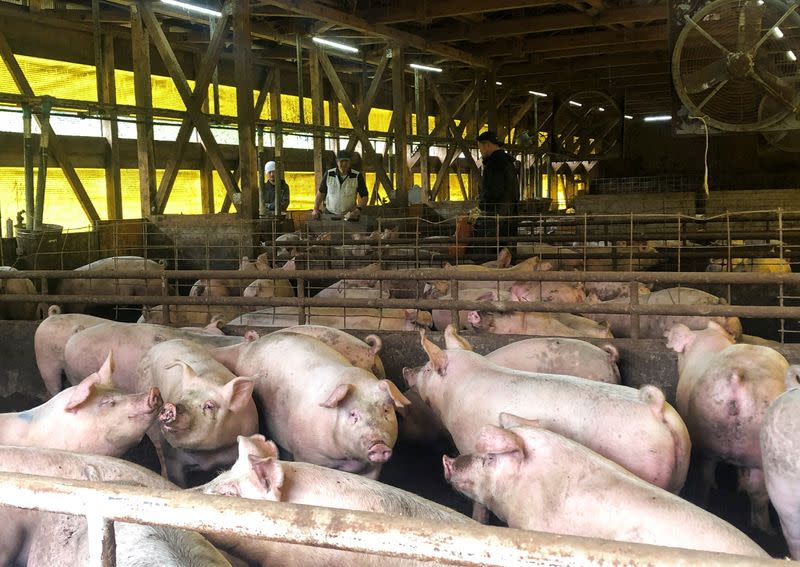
(491, 53)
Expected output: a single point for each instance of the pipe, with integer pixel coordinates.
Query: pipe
(360, 532)
(43, 157)
(27, 158)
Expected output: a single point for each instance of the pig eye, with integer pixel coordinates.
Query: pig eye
(108, 401)
(209, 406)
(353, 416)
(488, 460)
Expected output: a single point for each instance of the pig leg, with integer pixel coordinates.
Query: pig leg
(154, 433)
(708, 467)
(51, 375)
(480, 513)
(759, 501)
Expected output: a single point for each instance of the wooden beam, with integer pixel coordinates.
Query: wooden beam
(333, 114)
(423, 11)
(549, 23)
(317, 115)
(55, 149)
(402, 174)
(269, 76)
(369, 100)
(358, 128)
(275, 113)
(353, 22)
(108, 94)
(243, 72)
(584, 64)
(192, 108)
(203, 78)
(140, 47)
(455, 130)
(521, 112)
(491, 100)
(421, 106)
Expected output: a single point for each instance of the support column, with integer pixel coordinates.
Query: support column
(243, 63)
(140, 41)
(491, 100)
(206, 168)
(110, 129)
(421, 99)
(402, 174)
(333, 110)
(275, 114)
(317, 115)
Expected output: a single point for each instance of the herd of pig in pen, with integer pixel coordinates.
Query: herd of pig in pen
(290, 380)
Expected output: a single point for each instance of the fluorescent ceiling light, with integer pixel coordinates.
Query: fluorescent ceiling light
(601, 109)
(425, 68)
(498, 83)
(193, 8)
(628, 117)
(573, 103)
(776, 31)
(334, 44)
(658, 118)
(537, 93)
(791, 56)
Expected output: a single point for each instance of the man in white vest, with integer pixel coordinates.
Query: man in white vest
(343, 191)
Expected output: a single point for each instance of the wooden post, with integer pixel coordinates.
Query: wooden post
(243, 62)
(206, 169)
(140, 42)
(333, 110)
(491, 100)
(110, 130)
(275, 114)
(421, 99)
(317, 115)
(402, 174)
(300, 88)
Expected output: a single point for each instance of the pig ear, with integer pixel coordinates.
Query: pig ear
(613, 353)
(508, 420)
(436, 355)
(239, 392)
(496, 441)
(82, 391)
(679, 337)
(289, 265)
(544, 266)
(397, 397)
(504, 258)
(188, 372)
(337, 396)
(256, 445)
(268, 475)
(453, 340)
(717, 327)
(107, 370)
(792, 376)
(488, 296)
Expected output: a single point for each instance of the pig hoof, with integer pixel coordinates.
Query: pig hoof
(379, 453)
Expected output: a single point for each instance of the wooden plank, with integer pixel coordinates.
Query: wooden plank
(140, 45)
(353, 22)
(203, 78)
(424, 10)
(110, 128)
(317, 115)
(402, 174)
(192, 108)
(457, 137)
(55, 149)
(421, 107)
(301, 107)
(333, 111)
(491, 100)
(269, 76)
(366, 143)
(275, 113)
(369, 99)
(243, 73)
(521, 112)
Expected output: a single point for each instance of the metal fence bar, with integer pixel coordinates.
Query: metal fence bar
(361, 532)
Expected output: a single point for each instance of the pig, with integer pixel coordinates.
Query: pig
(606, 291)
(124, 286)
(363, 354)
(20, 526)
(92, 417)
(341, 290)
(723, 391)
(571, 261)
(535, 479)
(502, 261)
(764, 265)
(206, 407)
(444, 317)
(230, 286)
(557, 292)
(268, 288)
(537, 324)
(86, 350)
(19, 311)
(560, 356)
(193, 315)
(654, 326)
(318, 406)
(361, 318)
(259, 475)
(50, 340)
(780, 445)
(636, 429)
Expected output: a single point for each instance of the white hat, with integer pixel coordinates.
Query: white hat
(270, 166)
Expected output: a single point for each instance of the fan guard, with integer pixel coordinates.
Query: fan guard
(728, 57)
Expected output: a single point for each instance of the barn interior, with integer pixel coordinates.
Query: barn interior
(656, 150)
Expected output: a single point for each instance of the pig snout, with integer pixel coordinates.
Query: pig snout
(154, 399)
(447, 463)
(474, 318)
(410, 376)
(379, 453)
(168, 413)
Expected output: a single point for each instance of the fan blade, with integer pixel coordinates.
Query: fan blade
(750, 21)
(705, 78)
(776, 87)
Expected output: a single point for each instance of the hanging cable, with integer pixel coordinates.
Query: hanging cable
(705, 156)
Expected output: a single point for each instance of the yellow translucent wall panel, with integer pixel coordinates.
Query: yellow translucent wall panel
(290, 109)
(379, 119)
(56, 78)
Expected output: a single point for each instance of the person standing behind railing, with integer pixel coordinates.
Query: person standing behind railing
(498, 193)
(268, 190)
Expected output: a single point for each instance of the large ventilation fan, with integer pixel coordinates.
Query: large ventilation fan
(735, 63)
(587, 126)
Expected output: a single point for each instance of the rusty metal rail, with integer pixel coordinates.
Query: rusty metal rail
(361, 532)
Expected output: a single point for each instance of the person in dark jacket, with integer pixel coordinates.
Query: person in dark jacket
(268, 190)
(499, 189)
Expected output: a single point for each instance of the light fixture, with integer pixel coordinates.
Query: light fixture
(791, 56)
(574, 103)
(776, 31)
(498, 83)
(334, 44)
(628, 117)
(425, 68)
(193, 8)
(601, 109)
(658, 118)
(537, 93)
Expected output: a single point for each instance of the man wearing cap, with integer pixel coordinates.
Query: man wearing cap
(343, 190)
(499, 188)
(268, 190)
